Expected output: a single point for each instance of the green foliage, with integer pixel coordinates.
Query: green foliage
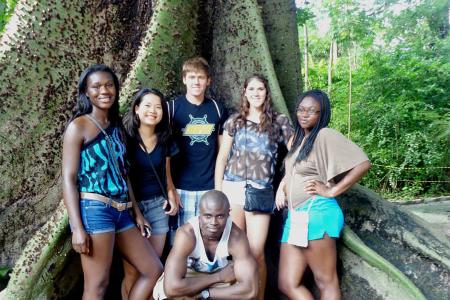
(6, 10)
(349, 22)
(303, 15)
(4, 271)
(401, 100)
(4, 276)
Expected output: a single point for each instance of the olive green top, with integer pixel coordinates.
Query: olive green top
(332, 154)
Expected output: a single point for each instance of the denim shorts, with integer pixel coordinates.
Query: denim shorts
(325, 216)
(153, 212)
(99, 217)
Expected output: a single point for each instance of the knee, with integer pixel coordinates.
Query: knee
(153, 272)
(259, 256)
(130, 272)
(285, 285)
(97, 288)
(326, 280)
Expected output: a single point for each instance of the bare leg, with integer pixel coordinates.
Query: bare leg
(131, 274)
(130, 277)
(140, 254)
(238, 216)
(291, 269)
(321, 257)
(97, 264)
(158, 242)
(257, 228)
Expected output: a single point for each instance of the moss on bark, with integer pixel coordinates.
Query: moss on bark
(408, 243)
(169, 40)
(240, 49)
(42, 52)
(280, 25)
(36, 273)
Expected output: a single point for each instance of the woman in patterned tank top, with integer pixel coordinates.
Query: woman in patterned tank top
(96, 189)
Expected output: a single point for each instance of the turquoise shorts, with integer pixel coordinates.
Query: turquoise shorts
(325, 216)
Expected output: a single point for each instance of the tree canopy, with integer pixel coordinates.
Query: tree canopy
(400, 110)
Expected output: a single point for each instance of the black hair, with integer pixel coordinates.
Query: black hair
(324, 119)
(132, 123)
(84, 105)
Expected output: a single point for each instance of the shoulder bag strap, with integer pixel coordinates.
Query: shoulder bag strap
(154, 170)
(291, 207)
(108, 142)
(245, 151)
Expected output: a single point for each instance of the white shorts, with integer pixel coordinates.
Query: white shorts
(235, 192)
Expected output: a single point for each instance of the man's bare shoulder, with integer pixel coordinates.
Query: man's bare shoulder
(187, 231)
(185, 236)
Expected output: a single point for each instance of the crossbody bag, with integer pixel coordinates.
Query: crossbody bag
(259, 200)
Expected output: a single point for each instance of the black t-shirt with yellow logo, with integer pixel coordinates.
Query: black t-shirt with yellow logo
(195, 131)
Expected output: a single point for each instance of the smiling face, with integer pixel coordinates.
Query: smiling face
(213, 218)
(150, 110)
(196, 83)
(256, 92)
(101, 90)
(308, 113)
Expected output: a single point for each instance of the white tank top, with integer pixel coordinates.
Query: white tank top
(198, 260)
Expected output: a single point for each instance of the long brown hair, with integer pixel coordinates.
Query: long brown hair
(268, 115)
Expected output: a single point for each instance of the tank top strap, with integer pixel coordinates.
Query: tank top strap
(222, 248)
(199, 250)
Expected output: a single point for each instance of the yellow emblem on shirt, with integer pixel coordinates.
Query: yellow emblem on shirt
(198, 129)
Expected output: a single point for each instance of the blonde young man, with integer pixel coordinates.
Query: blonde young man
(197, 124)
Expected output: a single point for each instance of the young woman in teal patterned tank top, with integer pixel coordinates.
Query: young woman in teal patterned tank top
(96, 189)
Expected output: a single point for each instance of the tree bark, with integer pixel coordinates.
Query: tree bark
(42, 52)
(279, 17)
(169, 40)
(412, 245)
(240, 49)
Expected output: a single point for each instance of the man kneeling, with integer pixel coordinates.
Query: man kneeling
(198, 265)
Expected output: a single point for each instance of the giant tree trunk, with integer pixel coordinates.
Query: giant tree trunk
(42, 53)
(44, 48)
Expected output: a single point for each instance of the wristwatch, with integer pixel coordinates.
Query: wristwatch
(204, 294)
